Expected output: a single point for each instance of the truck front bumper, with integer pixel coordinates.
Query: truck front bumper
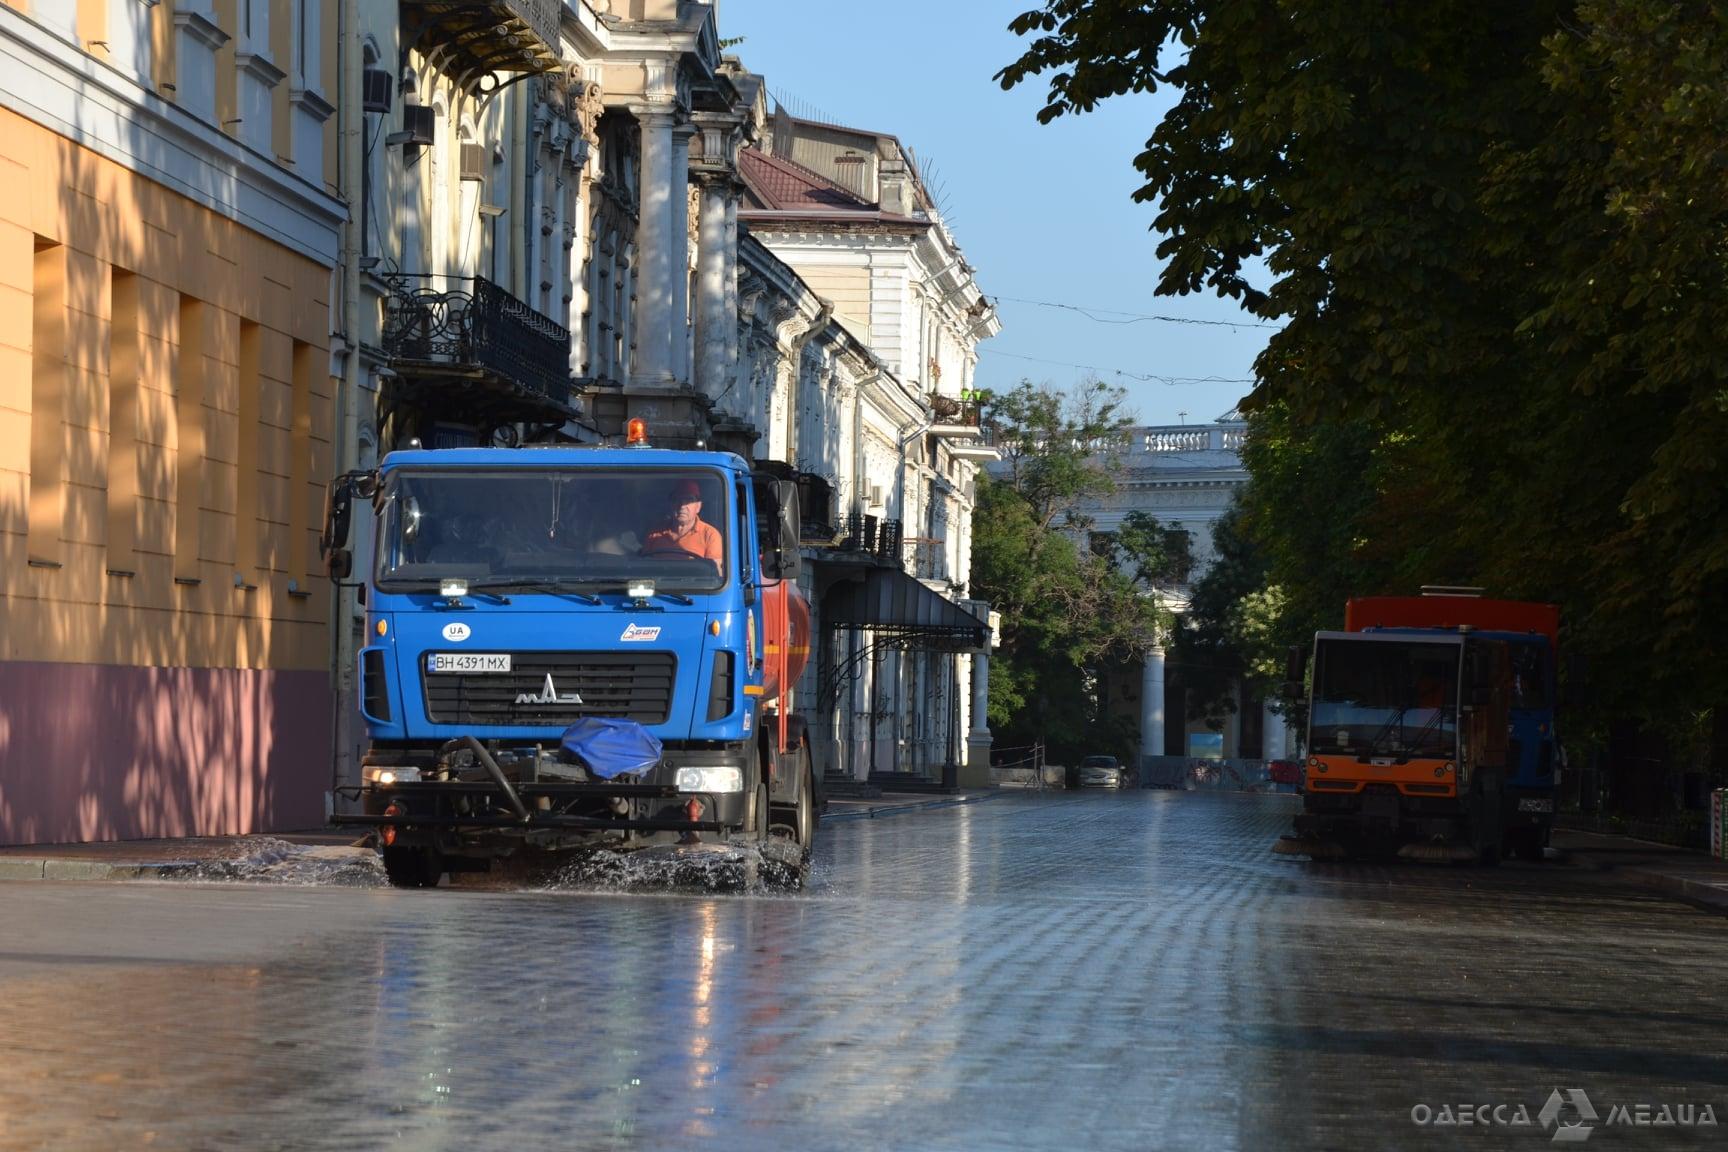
(1380, 816)
(488, 809)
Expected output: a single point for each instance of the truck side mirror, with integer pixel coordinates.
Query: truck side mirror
(338, 516)
(1295, 665)
(788, 559)
(778, 528)
(338, 512)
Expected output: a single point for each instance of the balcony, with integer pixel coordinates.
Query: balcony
(868, 538)
(927, 558)
(960, 423)
(481, 38)
(951, 411)
(473, 348)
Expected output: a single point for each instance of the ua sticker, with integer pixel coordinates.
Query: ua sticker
(456, 631)
(638, 632)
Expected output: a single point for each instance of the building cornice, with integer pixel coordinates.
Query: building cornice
(312, 102)
(69, 92)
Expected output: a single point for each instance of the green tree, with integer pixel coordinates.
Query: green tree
(1497, 237)
(1069, 608)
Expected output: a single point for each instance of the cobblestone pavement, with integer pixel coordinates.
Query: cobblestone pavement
(1097, 971)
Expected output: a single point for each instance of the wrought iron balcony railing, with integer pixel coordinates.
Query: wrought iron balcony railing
(874, 536)
(927, 558)
(482, 37)
(475, 327)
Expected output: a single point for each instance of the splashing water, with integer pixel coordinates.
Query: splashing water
(268, 860)
(734, 866)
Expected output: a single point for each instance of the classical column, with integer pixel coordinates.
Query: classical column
(652, 364)
(1276, 740)
(1152, 702)
(729, 246)
(681, 252)
(712, 322)
(981, 693)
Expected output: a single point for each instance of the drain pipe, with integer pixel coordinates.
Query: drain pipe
(351, 163)
(824, 313)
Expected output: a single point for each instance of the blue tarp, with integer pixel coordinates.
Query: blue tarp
(610, 747)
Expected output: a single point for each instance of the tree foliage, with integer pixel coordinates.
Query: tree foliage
(1073, 600)
(1497, 238)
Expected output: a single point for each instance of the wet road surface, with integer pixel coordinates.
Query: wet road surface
(1097, 971)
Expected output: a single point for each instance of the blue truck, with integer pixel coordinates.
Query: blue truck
(528, 606)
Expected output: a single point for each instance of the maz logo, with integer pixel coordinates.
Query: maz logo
(549, 695)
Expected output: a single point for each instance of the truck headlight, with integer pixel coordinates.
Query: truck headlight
(710, 779)
(389, 776)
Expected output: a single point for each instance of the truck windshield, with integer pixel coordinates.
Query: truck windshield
(589, 528)
(1378, 698)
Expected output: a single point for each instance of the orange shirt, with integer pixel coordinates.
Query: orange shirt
(702, 540)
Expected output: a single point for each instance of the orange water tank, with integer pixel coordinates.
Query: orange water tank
(786, 636)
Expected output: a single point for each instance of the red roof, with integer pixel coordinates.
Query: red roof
(779, 184)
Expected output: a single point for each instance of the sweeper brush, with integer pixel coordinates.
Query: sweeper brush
(1310, 846)
(1440, 852)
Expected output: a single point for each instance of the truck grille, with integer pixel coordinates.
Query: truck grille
(632, 685)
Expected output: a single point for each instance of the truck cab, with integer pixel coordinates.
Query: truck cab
(1407, 747)
(517, 593)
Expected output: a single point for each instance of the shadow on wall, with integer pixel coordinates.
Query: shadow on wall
(106, 730)
(92, 752)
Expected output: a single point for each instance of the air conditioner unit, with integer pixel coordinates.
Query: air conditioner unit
(418, 122)
(375, 89)
(473, 161)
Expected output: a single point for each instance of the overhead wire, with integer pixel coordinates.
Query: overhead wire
(1146, 377)
(1097, 315)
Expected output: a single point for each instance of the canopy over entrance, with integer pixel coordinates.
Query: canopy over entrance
(896, 607)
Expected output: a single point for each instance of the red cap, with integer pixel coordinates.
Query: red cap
(686, 490)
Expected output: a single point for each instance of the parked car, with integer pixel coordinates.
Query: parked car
(1285, 772)
(1101, 772)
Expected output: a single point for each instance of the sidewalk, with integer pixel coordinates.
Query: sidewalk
(1699, 880)
(217, 856)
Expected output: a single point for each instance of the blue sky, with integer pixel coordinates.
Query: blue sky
(1043, 212)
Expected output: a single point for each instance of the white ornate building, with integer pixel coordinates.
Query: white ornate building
(894, 432)
(609, 188)
(1185, 475)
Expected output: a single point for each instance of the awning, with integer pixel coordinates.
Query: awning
(896, 607)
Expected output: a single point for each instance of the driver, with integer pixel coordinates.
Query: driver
(683, 529)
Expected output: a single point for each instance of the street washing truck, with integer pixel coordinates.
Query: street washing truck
(1531, 632)
(1409, 748)
(575, 647)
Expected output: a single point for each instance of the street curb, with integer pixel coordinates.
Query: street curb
(874, 811)
(15, 868)
(56, 868)
(1711, 897)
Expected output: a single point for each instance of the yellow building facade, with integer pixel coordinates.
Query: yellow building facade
(166, 417)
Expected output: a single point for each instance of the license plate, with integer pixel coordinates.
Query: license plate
(469, 662)
(1535, 805)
